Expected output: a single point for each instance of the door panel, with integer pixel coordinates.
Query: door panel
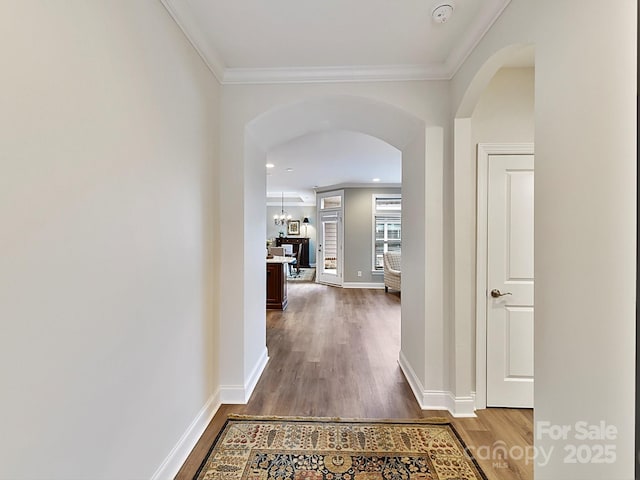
(520, 229)
(330, 237)
(328, 266)
(519, 327)
(510, 316)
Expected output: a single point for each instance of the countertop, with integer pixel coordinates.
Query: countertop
(280, 259)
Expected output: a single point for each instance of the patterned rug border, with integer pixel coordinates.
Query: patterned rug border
(387, 421)
(401, 421)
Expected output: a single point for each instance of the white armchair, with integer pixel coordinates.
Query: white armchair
(392, 270)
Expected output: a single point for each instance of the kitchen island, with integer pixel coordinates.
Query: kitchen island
(277, 282)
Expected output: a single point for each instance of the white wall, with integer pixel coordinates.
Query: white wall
(585, 230)
(505, 109)
(513, 31)
(585, 216)
(108, 331)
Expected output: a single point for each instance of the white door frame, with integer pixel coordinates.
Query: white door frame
(484, 151)
(340, 253)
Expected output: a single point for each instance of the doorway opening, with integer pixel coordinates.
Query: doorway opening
(504, 275)
(244, 329)
(498, 108)
(330, 216)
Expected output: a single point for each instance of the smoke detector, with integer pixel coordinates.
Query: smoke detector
(442, 12)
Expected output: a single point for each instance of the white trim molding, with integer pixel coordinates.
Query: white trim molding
(375, 285)
(335, 74)
(252, 381)
(181, 14)
(475, 33)
(459, 407)
(463, 407)
(484, 151)
(240, 394)
(412, 378)
(179, 453)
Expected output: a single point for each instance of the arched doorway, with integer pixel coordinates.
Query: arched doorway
(244, 354)
(469, 370)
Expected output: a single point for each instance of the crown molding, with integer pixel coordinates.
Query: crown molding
(339, 186)
(476, 33)
(292, 204)
(330, 74)
(355, 73)
(181, 15)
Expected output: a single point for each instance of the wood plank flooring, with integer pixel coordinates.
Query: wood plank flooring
(334, 353)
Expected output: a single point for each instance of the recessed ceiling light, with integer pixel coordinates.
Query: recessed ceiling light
(269, 165)
(289, 169)
(376, 180)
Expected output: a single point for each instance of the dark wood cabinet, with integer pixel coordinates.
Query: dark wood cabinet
(277, 286)
(297, 243)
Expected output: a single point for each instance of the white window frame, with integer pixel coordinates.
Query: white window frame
(379, 213)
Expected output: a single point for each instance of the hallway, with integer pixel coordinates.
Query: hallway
(334, 353)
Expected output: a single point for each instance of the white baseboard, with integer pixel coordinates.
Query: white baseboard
(377, 286)
(240, 394)
(459, 407)
(464, 406)
(179, 453)
(252, 381)
(436, 399)
(412, 378)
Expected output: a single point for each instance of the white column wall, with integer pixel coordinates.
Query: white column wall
(463, 347)
(413, 353)
(255, 224)
(231, 258)
(585, 233)
(436, 333)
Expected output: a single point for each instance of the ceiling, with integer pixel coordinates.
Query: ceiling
(290, 41)
(331, 158)
(255, 41)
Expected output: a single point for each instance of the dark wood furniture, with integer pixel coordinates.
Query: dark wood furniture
(297, 243)
(277, 285)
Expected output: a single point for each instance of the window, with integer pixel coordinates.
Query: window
(331, 202)
(387, 227)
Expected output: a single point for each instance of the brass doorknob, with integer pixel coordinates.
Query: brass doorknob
(495, 293)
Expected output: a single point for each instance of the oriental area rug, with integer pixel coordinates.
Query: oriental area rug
(329, 449)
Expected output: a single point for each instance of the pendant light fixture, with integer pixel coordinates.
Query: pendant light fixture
(283, 218)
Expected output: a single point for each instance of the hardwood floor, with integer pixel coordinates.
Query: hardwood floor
(334, 353)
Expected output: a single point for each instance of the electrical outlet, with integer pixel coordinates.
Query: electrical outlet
(359, 273)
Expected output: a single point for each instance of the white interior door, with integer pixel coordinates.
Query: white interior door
(510, 281)
(330, 238)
